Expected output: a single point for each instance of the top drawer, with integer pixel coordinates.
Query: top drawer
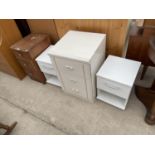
(31, 46)
(21, 55)
(113, 87)
(69, 67)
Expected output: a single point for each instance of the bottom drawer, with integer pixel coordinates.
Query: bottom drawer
(33, 70)
(38, 76)
(75, 87)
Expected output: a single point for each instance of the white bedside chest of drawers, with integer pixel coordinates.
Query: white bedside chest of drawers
(46, 66)
(77, 57)
(115, 80)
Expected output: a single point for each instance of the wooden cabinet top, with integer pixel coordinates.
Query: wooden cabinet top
(29, 42)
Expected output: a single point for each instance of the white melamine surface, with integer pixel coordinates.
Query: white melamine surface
(44, 57)
(112, 99)
(51, 79)
(119, 70)
(77, 57)
(78, 45)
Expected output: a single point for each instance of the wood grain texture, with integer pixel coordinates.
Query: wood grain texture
(27, 49)
(44, 26)
(149, 22)
(9, 35)
(139, 44)
(116, 30)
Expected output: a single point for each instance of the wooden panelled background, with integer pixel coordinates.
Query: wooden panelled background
(149, 22)
(44, 26)
(116, 30)
(9, 35)
(139, 40)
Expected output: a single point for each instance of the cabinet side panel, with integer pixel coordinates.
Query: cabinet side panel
(88, 81)
(96, 63)
(54, 63)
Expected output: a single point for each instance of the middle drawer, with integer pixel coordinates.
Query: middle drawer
(75, 86)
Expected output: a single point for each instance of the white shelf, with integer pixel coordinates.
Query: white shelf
(112, 99)
(44, 57)
(51, 79)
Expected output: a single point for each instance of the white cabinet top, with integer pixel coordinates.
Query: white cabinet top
(44, 57)
(78, 45)
(120, 70)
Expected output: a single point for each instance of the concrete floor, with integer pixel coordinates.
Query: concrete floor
(46, 109)
(27, 123)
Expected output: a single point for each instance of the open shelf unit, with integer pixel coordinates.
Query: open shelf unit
(111, 99)
(46, 66)
(52, 79)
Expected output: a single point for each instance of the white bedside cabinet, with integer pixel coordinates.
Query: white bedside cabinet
(115, 80)
(46, 66)
(77, 57)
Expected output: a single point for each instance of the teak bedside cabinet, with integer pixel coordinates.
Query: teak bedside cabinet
(27, 49)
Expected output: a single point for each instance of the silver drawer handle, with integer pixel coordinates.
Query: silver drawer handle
(74, 81)
(112, 87)
(75, 90)
(69, 67)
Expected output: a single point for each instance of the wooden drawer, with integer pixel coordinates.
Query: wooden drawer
(28, 66)
(75, 86)
(70, 67)
(25, 65)
(113, 87)
(21, 55)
